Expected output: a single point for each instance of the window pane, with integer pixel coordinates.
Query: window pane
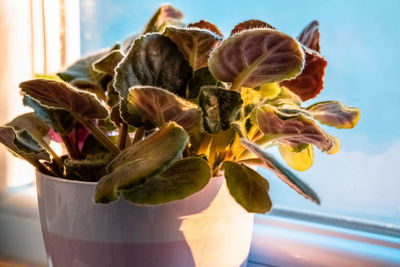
(360, 41)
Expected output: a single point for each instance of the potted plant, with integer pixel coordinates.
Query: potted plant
(160, 134)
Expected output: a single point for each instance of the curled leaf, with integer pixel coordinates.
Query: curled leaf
(195, 44)
(220, 107)
(109, 62)
(140, 161)
(32, 124)
(250, 24)
(292, 129)
(299, 159)
(153, 60)
(160, 106)
(205, 25)
(285, 98)
(54, 94)
(335, 145)
(165, 15)
(254, 57)
(284, 174)
(309, 37)
(334, 113)
(182, 179)
(247, 187)
(311, 80)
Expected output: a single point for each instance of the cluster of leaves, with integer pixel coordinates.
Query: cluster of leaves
(155, 118)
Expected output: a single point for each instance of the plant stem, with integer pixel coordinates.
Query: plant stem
(98, 134)
(70, 148)
(123, 134)
(205, 143)
(139, 133)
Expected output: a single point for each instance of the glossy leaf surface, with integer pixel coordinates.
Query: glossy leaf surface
(247, 187)
(182, 179)
(254, 57)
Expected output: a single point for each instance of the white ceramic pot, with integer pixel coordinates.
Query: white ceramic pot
(206, 229)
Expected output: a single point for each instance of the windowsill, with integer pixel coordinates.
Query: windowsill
(278, 240)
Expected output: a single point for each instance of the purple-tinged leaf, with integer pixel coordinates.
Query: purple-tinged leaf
(251, 24)
(334, 113)
(309, 37)
(163, 15)
(60, 95)
(292, 129)
(160, 106)
(220, 107)
(311, 80)
(254, 57)
(205, 25)
(283, 173)
(195, 44)
(153, 60)
(247, 187)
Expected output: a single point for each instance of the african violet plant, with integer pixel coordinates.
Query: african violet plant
(155, 118)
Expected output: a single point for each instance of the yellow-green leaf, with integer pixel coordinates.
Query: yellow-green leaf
(299, 160)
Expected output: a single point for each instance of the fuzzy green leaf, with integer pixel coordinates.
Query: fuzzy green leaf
(201, 77)
(54, 94)
(60, 120)
(283, 173)
(220, 107)
(285, 98)
(142, 160)
(334, 113)
(254, 57)
(182, 179)
(160, 106)
(86, 170)
(23, 145)
(109, 62)
(195, 44)
(154, 60)
(292, 129)
(247, 187)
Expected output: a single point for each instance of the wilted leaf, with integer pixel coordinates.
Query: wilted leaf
(201, 77)
(205, 25)
(142, 160)
(334, 113)
(24, 146)
(154, 60)
(61, 95)
(299, 159)
(335, 145)
(284, 174)
(165, 14)
(60, 120)
(109, 62)
(195, 44)
(311, 80)
(247, 187)
(250, 24)
(160, 106)
(254, 57)
(182, 179)
(309, 37)
(220, 107)
(292, 129)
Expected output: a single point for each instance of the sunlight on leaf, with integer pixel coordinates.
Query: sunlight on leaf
(300, 160)
(247, 187)
(205, 25)
(165, 14)
(250, 24)
(309, 37)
